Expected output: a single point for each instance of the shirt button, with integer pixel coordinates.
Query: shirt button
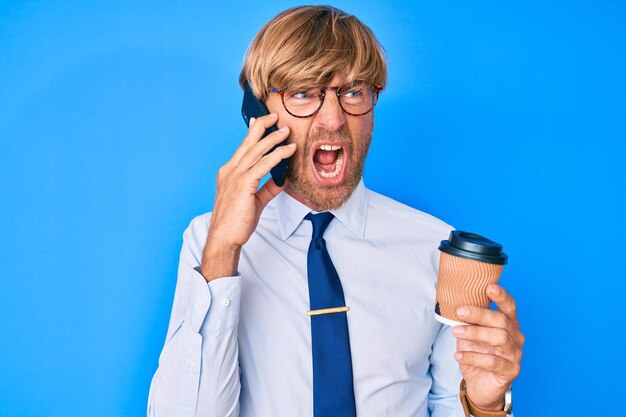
(225, 302)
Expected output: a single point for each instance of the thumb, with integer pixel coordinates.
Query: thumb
(267, 193)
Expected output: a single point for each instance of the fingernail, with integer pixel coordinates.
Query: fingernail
(458, 329)
(458, 356)
(462, 311)
(252, 120)
(494, 289)
(273, 115)
(292, 145)
(283, 129)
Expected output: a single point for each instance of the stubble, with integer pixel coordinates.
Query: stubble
(301, 179)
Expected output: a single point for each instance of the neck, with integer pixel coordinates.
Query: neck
(296, 196)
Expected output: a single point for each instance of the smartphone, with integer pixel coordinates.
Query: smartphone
(253, 107)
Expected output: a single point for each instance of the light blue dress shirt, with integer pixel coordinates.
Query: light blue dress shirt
(241, 346)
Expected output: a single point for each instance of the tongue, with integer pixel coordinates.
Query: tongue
(325, 157)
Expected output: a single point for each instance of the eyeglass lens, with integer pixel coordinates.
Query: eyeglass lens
(356, 98)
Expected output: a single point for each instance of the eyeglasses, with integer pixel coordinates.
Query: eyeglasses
(356, 98)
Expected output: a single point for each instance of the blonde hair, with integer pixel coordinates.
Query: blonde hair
(309, 45)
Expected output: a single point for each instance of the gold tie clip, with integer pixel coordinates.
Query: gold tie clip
(327, 311)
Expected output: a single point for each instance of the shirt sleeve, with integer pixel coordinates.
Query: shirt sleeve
(198, 371)
(443, 399)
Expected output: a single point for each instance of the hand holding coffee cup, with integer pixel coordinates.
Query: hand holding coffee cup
(467, 265)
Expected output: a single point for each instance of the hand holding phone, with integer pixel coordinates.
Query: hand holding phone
(239, 201)
(253, 107)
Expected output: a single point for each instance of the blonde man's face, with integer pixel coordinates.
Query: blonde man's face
(332, 147)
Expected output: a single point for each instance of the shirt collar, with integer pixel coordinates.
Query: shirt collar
(351, 214)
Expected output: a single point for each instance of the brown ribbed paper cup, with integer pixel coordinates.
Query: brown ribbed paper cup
(467, 265)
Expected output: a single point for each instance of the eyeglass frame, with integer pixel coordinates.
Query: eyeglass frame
(281, 91)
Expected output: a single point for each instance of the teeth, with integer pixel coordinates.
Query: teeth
(329, 147)
(338, 165)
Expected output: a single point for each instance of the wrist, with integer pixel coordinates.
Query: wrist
(495, 406)
(219, 259)
(501, 408)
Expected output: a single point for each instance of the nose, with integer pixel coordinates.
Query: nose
(330, 116)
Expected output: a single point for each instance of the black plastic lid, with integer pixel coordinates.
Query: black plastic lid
(473, 246)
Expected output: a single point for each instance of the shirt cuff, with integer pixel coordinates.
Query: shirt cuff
(214, 306)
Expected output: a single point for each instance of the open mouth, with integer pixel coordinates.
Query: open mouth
(329, 162)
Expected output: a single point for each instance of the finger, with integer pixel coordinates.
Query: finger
(492, 363)
(492, 336)
(269, 161)
(503, 300)
(256, 128)
(483, 317)
(267, 192)
(258, 150)
(467, 345)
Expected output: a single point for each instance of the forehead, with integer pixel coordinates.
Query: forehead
(337, 81)
(329, 81)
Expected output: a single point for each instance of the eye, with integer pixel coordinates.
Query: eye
(353, 93)
(302, 95)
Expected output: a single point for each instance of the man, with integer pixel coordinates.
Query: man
(245, 337)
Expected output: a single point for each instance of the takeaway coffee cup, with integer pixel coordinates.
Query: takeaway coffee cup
(467, 265)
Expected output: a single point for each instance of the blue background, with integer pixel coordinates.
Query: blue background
(503, 118)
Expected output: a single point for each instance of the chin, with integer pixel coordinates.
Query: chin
(325, 173)
(322, 197)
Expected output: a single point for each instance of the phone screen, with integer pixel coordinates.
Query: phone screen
(253, 107)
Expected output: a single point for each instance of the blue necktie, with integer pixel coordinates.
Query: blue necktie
(333, 393)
